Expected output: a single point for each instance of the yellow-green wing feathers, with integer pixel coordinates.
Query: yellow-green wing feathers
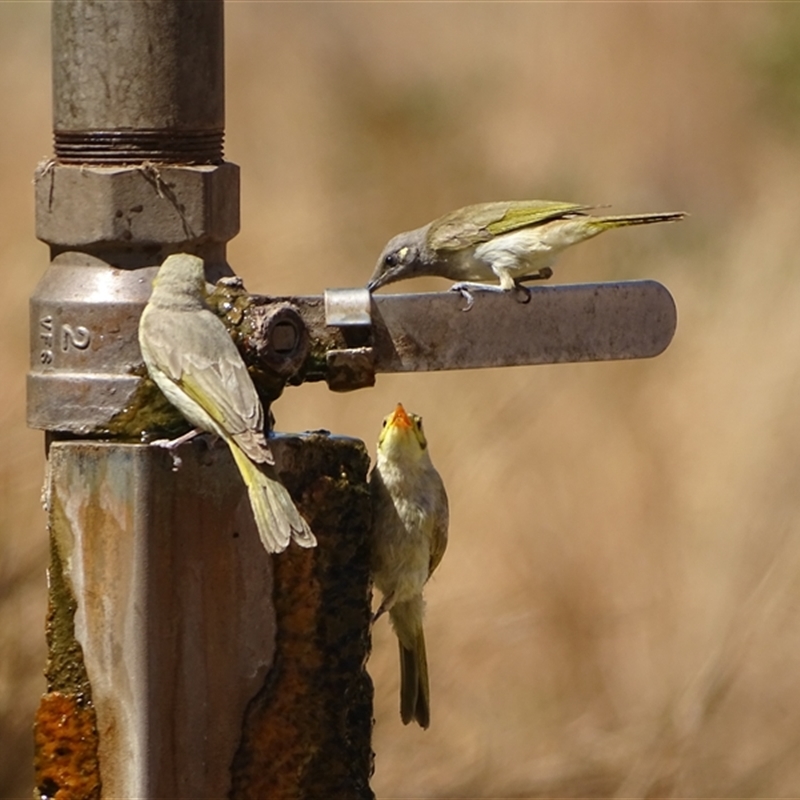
(532, 212)
(471, 225)
(212, 374)
(441, 521)
(230, 401)
(192, 358)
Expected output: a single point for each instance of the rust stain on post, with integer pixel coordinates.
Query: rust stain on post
(65, 736)
(66, 765)
(307, 732)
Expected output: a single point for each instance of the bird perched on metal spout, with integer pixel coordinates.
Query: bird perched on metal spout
(505, 242)
(409, 537)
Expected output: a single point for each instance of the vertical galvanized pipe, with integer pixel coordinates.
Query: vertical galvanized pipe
(138, 99)
(161, 626)
(140, 79)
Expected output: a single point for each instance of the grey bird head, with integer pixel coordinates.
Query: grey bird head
(180, 283)
(405, 256)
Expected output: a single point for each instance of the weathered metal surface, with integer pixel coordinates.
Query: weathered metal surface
(137, 80)
(353, 367)
(307, 733)
(428, 332)
(136, 214)
(566, 323)
(138, 118)
(345, 307)
(282, 338)
(109, 229)
(172, 612)
(86, 368)
(350, 369)
(66, 763)
(167, 631)
(80, 347)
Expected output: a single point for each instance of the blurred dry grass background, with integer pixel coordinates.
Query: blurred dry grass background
(618, 614)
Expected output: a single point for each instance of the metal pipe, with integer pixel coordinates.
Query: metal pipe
(137, 80)
(138, 121)
(161, 624)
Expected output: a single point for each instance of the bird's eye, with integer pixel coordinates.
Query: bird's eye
(390, 260)
(383, 424)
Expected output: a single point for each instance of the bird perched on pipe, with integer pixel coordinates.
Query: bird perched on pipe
(409, 537)
(507, 242)
(193, 360)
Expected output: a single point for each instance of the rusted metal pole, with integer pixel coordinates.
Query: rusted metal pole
(168, 635)
(171, 670)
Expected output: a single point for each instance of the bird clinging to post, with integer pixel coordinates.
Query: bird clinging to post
(193, 360)
(409, 537)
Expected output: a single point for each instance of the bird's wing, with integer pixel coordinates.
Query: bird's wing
(195, 351)
(472, 225)
(440, 525)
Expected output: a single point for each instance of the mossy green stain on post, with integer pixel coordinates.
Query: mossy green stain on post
(148, 412)
(65, 671)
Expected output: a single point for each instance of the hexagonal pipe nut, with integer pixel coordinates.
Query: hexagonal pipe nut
(146, 204)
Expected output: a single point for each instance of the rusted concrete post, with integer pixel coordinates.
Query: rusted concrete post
(183, 661)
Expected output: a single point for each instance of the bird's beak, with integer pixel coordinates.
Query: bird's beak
(377, 281)
(382, 276)
(399, 418)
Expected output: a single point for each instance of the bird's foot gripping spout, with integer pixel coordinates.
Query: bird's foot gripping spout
(172, 444)
(466, 288)
(522, 294)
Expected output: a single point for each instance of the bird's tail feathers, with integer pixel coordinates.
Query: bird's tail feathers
(415, 694)
(277, 518)
(621, 220)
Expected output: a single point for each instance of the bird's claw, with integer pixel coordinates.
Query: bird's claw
(172, 444)
(522, 294)
(468, 296)
(465, 293)
(169, 445)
